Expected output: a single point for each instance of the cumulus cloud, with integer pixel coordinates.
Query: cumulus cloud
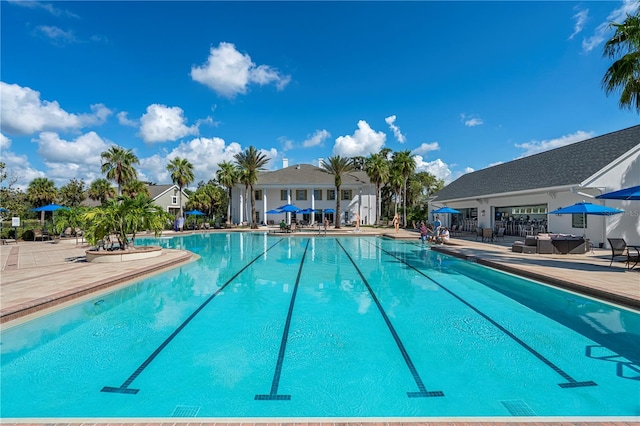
(86, 149)
(618, 15)
(286, 143)
(396, 130)
(162, 123)
(471, 120)
(535, 147)
(203, 153)
(229, 72)
(5, 142)
(363, 142)
(125, 121)
(24, 113)
(438, 168)
(580, 18)
(426, 148)
(316, 139)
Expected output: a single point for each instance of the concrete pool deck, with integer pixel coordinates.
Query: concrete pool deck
(37, 276)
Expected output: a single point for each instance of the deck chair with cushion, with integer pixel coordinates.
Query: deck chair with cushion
(618, 249)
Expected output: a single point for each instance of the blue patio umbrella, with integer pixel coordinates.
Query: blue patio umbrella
(194, 213)
(584, 209)
(289, 208)
(274, 211)
(3, 210)
(631, 193)
(306, 211)
(445, 210)
(49, 208)
(329, 211)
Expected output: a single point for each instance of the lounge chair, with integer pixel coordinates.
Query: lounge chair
(500, 234)
(40, 234)
(619, 248)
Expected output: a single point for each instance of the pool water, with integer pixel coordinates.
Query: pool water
(272, 326)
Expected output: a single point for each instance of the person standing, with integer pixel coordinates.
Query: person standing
(396, 222)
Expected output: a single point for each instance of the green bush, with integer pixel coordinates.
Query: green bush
(28, 235)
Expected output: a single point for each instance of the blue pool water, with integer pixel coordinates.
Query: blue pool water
(270, 326)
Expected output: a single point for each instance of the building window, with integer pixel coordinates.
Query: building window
(346, 194)
(258, 194)
(174, 200)
(579, 220)
(331, 194)
(301, 194)
(284, 195)
(317, 194)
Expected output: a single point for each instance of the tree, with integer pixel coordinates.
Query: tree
(101, 190)
(117, 165)
(377, 168)
(72, 194)
(227, 176)
(337, 166)
(40, 192)
(134, 187)
(181, 174)
(405, 165)
(624, 73)
(396, 180)
(250, 162)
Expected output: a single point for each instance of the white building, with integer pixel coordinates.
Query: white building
(541, 183)
(306, 186)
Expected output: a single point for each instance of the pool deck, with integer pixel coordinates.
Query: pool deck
(40, 276)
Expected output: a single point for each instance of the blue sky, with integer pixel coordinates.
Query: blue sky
(463, 85)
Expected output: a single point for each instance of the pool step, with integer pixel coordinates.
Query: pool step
(518, 407)
(185, 411)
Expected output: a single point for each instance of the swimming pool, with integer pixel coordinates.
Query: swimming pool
(271, 326)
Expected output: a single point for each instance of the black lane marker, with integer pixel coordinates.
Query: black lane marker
(273, 395)
(571, 382)
(124, 387)
(423, 392)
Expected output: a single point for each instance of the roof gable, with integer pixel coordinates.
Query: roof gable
(307, 174)
(564, 166)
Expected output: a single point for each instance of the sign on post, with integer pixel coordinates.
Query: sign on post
(15, 222)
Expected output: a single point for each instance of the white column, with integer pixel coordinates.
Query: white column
(241, 199)
(264, 205)
(313, 207)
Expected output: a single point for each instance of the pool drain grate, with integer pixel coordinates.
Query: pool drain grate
(518, 407)
(185, 411)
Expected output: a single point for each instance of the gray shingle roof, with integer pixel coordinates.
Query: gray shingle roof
(568, 165)
(306, 175)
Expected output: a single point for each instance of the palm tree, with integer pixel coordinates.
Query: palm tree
(377, 168)
(250, 162)
(118, 164)
(101, 190)
(227, 176)
(134, 187)
(40, 192)
(396, 181)
(405, 164)
(624, 73)
(181, 174)
(337, 166)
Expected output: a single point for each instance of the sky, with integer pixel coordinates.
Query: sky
(462, 85)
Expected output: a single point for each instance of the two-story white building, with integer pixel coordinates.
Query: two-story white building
(306, 187)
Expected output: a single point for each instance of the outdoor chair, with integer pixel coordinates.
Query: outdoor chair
(619, 249)
(39, 234)
(500, 234)
(479, 234)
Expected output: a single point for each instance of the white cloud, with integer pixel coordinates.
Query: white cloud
(495, 163)
(438, 168)
(5, 142)
(396, 130)
(84, 150)
(316, 139)
(581, 18)
(426, 148)
(535, 147)
(125, 121)
(23, 112)
(56, 35)
(364, 141)
(229, 72)
(44, 6)
(617, 15)
(471, 120)
(203, 153)
(287, 144)
(162, 123)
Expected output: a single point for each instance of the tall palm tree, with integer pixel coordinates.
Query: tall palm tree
(396, 181)
(377, 168)
(250, 162)
(101, 190)
(337, 166)
(227, 176)
(117, 165)
(624, 73)
(40, 192)
(405, 164)
(134, 187)
(181, 174)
